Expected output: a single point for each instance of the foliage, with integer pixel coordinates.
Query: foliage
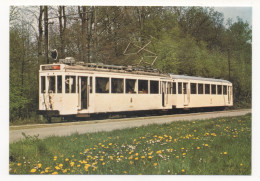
(187, 40)
(204, 147)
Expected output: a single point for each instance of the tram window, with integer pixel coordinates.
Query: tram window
(174, 88)
(117, 85)
(213, 89)
(193, 88)
(70, 84)
(179, 87)
(224, 89)
(200, 89)
(207, 89)
(168, 87)
(142, 86)
(51, 84)
(102, 85)
(90, 84)
(130, 86)
(42, 84)
(220, 89)
(59, 84)
(154, 87)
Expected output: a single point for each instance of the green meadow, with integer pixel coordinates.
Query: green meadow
(203, 147)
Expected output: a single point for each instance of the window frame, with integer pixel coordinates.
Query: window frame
(107, 86)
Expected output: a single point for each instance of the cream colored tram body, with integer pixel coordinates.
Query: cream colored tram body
(82, 90)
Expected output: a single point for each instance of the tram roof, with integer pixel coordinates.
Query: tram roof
(174, 76)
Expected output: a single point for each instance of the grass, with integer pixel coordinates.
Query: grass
(205, 147)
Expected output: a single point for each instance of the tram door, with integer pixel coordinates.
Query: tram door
(185, 93)
(229, 94)
(164, 94)
(83, 92)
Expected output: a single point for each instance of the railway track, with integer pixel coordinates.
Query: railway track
(68, 128)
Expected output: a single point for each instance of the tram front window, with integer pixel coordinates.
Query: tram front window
(51, 80)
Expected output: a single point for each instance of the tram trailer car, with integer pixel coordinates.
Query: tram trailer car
(69, 89)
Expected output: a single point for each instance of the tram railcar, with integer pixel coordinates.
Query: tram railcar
(77, 89)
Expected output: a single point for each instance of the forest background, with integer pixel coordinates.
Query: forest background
(186, 40)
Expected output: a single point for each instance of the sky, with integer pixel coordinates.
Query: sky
(233, 12)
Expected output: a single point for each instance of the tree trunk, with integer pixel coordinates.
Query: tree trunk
(46, 33)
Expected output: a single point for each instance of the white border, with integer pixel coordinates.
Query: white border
(4, 103)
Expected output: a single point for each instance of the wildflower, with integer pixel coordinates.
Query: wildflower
(111, 157)
(103, 163)
(142, 156)
(182, 170)
(195, 131)
(198, 148)
(225, 153)
(159, 152)
(213, 134)
(66, 159)
(54, 173)
(177, 157)
(136, 154)
(241, 164)
(206, 145)
(131, 163)
(72, 164)
(150, 157)
(60, 165)
(136, 158)
(42, 172)
(57, 168)
(39, 165)
(65, 171)
(55, 158)
(155, 164)
(125, 172)
(110, 144)
(182, 148)
(19, 164)
(33, 170)
(184, 154)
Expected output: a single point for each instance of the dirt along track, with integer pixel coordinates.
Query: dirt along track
(66, 129)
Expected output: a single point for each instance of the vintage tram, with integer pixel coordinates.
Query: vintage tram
(80, 89)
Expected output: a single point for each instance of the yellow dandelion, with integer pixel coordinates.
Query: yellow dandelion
(177, 157)
(150, 157)
(184, 154)
(136, 154)
(142, 156)
(125, 172)
(39, 165)
(60, 165)
(206, 145)
(54, 173)
(182, 148)
(19, 164)
(72, 164)
(225, 153)
(198, 148)
(42, 172)
(33, 170)
(103, 163)
(57, 168)
(66, 159)
(131, 162)
(110, 144)
(182, 170)
(136, 158)
(159, 152)
(101, 159)
(155, 164)
(241, 164)
(64, 171)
